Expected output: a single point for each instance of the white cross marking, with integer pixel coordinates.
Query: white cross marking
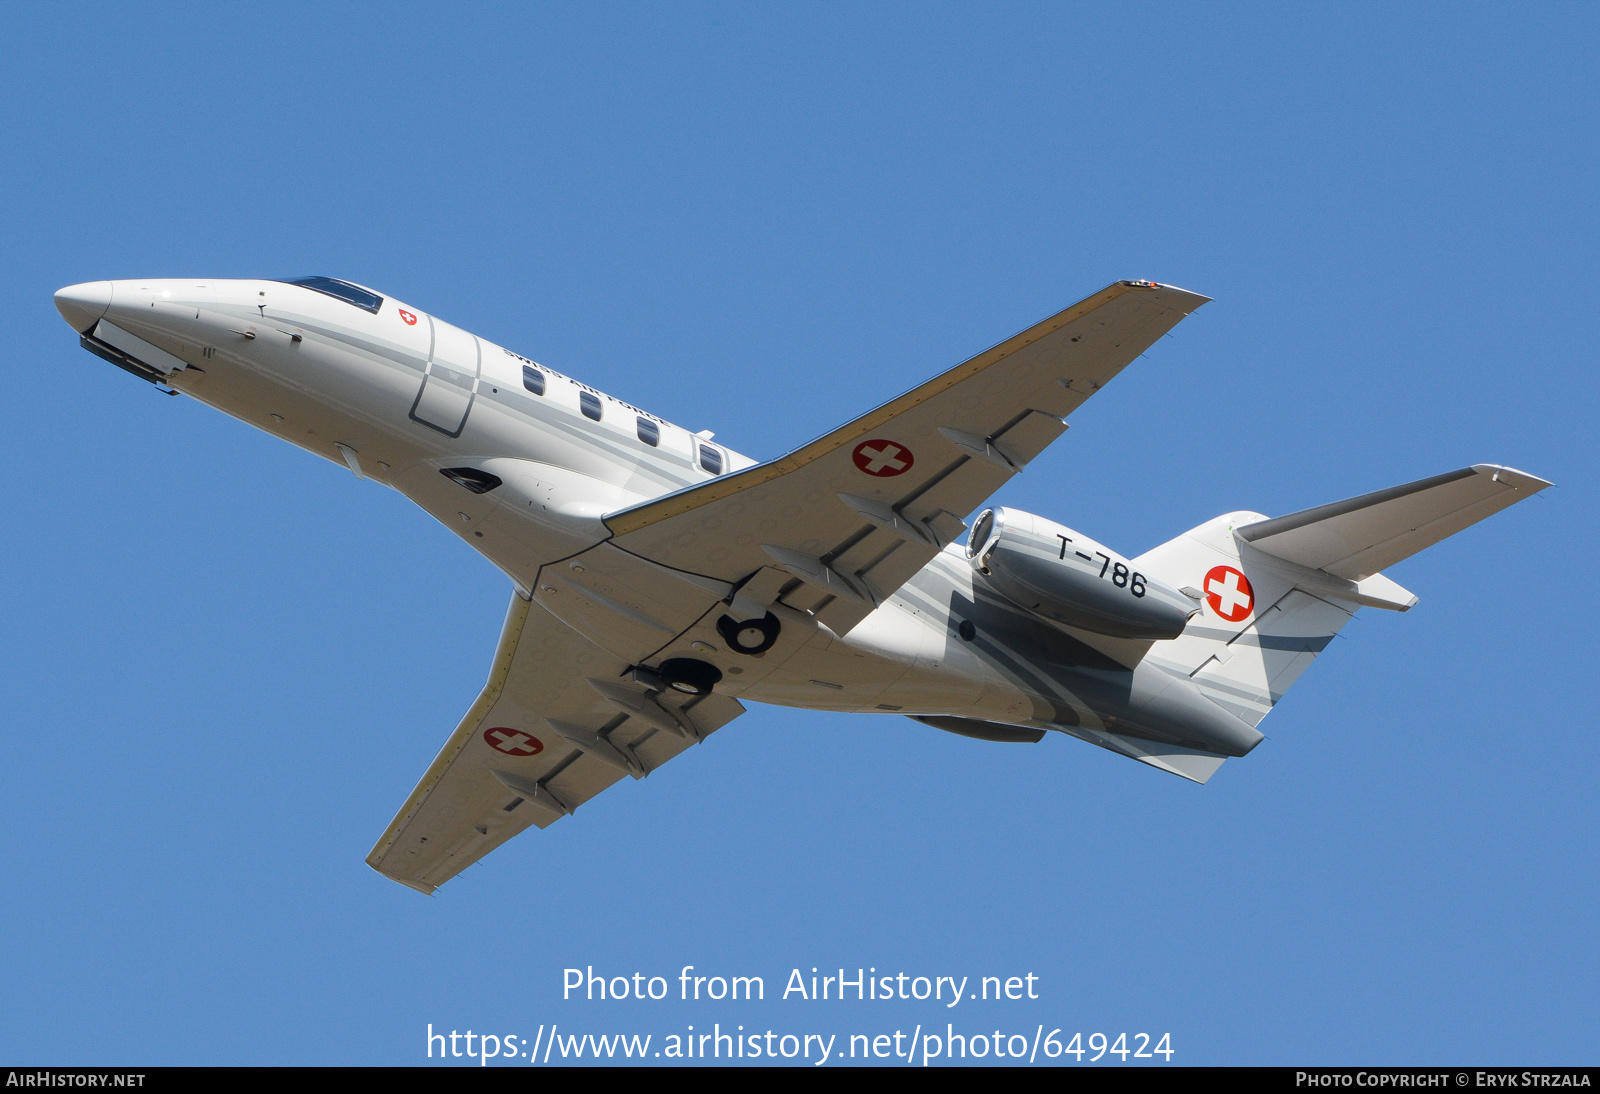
(879, 458)
(1228, 594)
(511, 741)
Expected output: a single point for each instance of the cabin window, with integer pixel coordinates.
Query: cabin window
(533, 379)
(339, 290)
(590, 404)
(711, 459)
(649, 432)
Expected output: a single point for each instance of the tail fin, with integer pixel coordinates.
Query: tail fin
(1274, 593)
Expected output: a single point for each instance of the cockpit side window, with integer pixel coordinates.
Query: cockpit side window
(711, 459)
(649, 432)
(533, 379)
(339, 290)
(590, 404)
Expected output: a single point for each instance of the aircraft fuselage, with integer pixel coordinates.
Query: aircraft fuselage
(399, 396)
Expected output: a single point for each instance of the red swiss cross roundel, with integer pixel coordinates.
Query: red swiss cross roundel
(883, 458)
(513, 742)
(1229, 593)
(409, 319)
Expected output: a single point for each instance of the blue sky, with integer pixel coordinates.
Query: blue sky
(227, 662)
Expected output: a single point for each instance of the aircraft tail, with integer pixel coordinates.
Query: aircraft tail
(1273, 593)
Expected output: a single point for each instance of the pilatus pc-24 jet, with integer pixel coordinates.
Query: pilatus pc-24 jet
(661, 578)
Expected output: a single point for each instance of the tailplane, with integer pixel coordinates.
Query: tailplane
(1274, 592)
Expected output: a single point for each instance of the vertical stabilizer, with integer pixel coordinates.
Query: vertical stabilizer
(1261, 621)
(1273, 593)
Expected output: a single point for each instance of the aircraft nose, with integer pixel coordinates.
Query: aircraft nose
(83, 305)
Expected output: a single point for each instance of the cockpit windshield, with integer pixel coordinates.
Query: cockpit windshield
(339, 290)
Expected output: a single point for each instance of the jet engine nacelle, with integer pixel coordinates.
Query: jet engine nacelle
(1068, 578)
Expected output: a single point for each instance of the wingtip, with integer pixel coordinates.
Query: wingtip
(1195, 299)
(1520, 480)
(420, 886)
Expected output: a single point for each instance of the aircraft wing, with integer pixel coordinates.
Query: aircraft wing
(557, 723)
(837, 526)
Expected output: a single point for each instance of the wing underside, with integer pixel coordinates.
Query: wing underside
(837, 526)
(559, 721)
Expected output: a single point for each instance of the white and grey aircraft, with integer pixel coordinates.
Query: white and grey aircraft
(661, 578)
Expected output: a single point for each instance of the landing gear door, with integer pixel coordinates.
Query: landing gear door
(451, 380)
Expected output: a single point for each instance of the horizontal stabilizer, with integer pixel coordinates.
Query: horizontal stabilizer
(1358, 537)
